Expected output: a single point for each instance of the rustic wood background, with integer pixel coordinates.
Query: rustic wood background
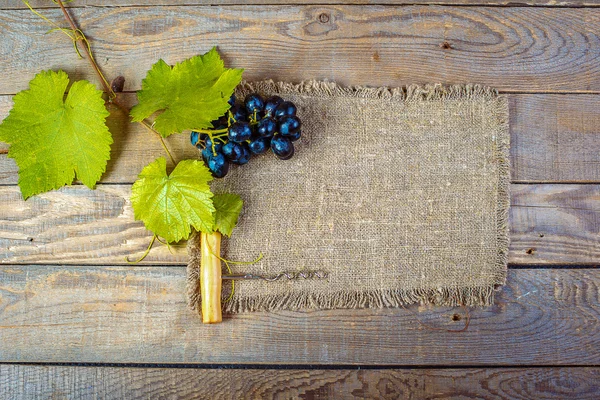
(67, 297)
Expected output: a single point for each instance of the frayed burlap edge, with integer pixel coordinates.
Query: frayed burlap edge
(193, 271)
(456, 296)
(408, 93)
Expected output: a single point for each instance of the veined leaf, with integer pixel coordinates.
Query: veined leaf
(228, 207)
(188, 95)
(170, 205)
(53, 138)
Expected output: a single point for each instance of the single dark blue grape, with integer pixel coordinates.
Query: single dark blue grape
(282, 147)
(266, 127)
(254, 103)
(239, 132)
(231, 100)
(271, 105)
(237, 153)
(206, 154)
(239, 113)
(194, 138)
(218, 165)
(208, 151)
(288, 125)
(260, 145)
(295, 136)
(285, 108)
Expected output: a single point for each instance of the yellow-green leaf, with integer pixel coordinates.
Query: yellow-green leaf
(188, 95)
(170, 205)
(228, 207)
(54, 139)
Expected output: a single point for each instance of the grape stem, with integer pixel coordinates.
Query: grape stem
(147, 125)
(81, 40)
(211, 132)
(162, 141)
(145, 253)
(230, 118)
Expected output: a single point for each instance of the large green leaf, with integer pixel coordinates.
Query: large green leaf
(54, 138)
(228, 207)
(169, 205)
(189, 95)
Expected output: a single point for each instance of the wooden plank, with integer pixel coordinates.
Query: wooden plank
(29, 382)
(139, 315)
(18, 4)
(550, 224)
(555, 138)
(512, 48)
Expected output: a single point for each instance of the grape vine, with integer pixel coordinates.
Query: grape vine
(56, 139)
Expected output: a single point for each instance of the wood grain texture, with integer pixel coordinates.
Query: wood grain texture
(35, 382)
(139, 315)
(550, 224)
(554, 138)
(18, 4)
(511, 48)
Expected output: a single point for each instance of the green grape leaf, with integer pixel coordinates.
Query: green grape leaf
(189, 95)
(169, 205)
(53, 138)
(228, 207)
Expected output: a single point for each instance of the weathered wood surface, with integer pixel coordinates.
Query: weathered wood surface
(555, 138)
(511, 48)
(28, 382)
(18, 4)
(94, 310)
(550, 224)
(139, 315)
(554, 224)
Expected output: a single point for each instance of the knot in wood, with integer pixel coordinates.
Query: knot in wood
(324, 18)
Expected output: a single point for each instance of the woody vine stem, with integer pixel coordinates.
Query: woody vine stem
(80, 39)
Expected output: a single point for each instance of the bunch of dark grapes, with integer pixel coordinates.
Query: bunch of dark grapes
(249, 129)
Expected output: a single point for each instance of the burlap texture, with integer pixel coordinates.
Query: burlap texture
(400, 195)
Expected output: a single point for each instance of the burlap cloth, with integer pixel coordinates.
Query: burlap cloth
(400, 195)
